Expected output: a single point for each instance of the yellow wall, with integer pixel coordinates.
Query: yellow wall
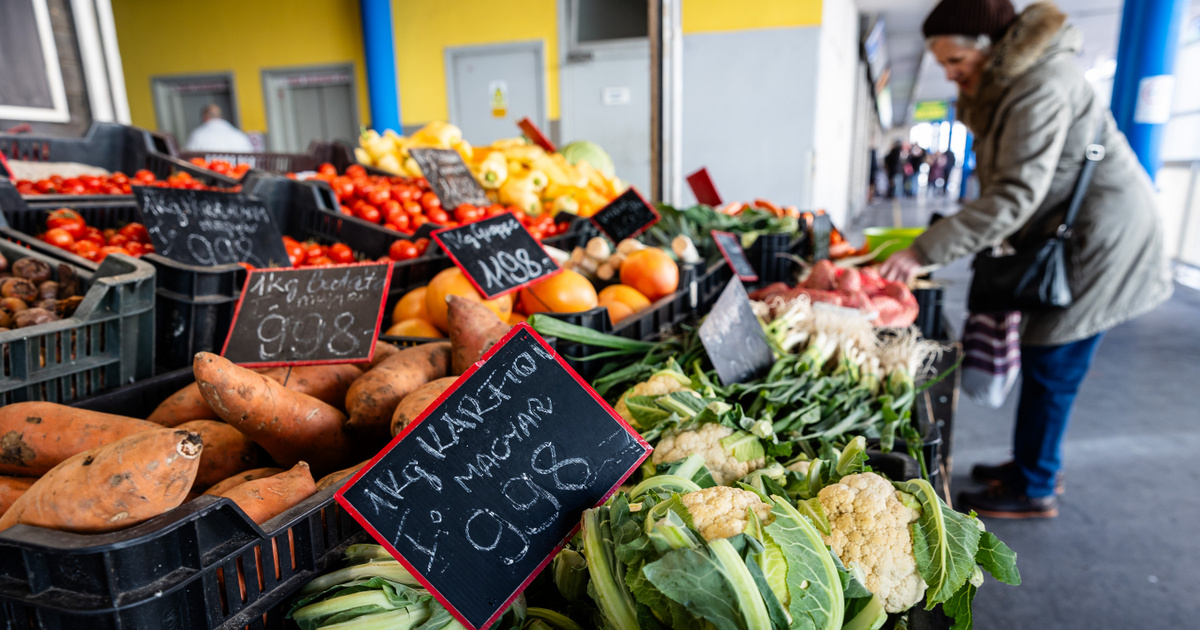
(708, 16)
(424, 28)
(167, 37)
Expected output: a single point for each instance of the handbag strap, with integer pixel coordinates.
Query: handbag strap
(1092, 156)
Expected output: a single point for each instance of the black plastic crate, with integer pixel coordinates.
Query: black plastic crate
(770, 254)
(107, 342)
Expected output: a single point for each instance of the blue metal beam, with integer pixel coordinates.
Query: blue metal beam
(383, 90)
(1144, 77)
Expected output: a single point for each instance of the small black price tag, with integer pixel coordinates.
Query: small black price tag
(731, 248)
(309, 316)
(498, 254)
(484, 488)
(626, 216)
(207, 228)
(733, 337)
(449, 177)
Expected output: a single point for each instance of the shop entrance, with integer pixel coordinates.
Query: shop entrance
(605, 81)
(489, 88)
(179, 99)
(307, 104)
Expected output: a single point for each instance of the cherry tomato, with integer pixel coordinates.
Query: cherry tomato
(400, 220)
(294, 249)
(136, 232)
(367, 212)
(438, 216)
(412, 207)
(320, 261)
(379, 196)
(59, 237)
(313, 250)
(390, 207)
(430, 201)
(341, 253)
(342, 187)
(403, 250)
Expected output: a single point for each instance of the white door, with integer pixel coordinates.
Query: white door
(605, 82)
(490, 88)
(310, 104)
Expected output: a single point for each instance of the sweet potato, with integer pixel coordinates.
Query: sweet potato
(473, 330)
(266, 498)
(241, 478)
(383, 351)
(114, 486)
(13, 487)
(416, 402)
(289, 425)
(327, 383)
(337, 478)
(226, 451)
(37, 436)
(374, 396)
(183, 406)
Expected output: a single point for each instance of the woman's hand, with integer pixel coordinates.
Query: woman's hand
(901, 266)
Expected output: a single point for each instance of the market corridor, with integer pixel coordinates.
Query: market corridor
(1116, 557)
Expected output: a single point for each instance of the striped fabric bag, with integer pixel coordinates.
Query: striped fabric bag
(992, 344)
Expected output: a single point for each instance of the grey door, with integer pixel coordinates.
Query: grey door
(489, 88)
(179, 99)
(307, 104)
(605, 82)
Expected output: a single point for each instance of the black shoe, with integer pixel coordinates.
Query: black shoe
(998, 474)
(1003, 502)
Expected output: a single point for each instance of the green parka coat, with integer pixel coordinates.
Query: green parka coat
(1034, 114)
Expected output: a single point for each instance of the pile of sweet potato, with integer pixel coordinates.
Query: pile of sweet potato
(266, 439)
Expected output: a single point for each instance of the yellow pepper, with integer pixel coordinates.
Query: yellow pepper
(493, 170)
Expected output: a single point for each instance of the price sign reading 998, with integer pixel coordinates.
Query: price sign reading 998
(208, 228)
(309, 316)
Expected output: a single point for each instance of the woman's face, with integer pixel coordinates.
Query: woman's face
(963, 64)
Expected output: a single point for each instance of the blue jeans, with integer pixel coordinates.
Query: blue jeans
(1050, 379)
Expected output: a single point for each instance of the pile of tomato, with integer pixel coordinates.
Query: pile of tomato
(403, 204)
(67, 230)
(222, 167)
(115, 184)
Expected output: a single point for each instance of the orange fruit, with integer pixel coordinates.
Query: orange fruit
(617, 310)
(652, 272)
(411, 306)
(516, 318)
(629, 296)
(564, 292)
(414, 328)
(452, 282)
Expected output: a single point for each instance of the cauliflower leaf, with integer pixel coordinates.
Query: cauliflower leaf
(820, 602)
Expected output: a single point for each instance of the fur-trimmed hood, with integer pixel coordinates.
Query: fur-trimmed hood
(1038, 32)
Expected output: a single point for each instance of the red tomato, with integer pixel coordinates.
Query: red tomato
(110, 249)
(430, 200)
(422, 245)
(390, 207)
(495, 210)
(118, 240)
(59, 237)
(363, 189)
(367, 212)
(404, 193)
(136, 232)
(313, 250)
(327, 169)
(521, 216)
(341, 253)
(94, 235)
(412, 207)
(294, 249)
(438, 216)
(400, 220)
(419, 220)
(87, 249)
(119, 178)
(403, 250)
(345, 210)
(144, 176)
(464, 212)
(68, 220)
(379, 196)
(320, 261)
(356, 170)
(134, 248)
(342, 187)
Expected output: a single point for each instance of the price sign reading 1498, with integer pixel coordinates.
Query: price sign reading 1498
(309, 316)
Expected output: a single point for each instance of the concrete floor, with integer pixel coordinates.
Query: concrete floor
(1125, 550)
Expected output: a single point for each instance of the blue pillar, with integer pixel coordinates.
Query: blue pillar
(380, 49)
(968, 165)
(1145, 58)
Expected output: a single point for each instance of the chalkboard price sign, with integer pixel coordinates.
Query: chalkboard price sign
(733, 337)
(731, 249)
(207, 228)
(482, 490)
(498, 255)
(449, 177)
(625, 217)
(309, 316)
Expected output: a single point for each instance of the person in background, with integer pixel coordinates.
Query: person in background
(937, 173)
(912, 170)
(1034, 114)
(872, 174)
(950, 162)
(891, 163)
(215, 134)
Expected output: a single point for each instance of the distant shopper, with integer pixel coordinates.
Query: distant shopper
(891, 163)
(1034, 114)
(912, 171)
(937, 173)
(216, 135)
(950, 161)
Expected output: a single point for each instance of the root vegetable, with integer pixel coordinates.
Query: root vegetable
(10, 489)
(241, 478)
(605, 272)
(6, 319)
(48, 290)
(226, 451)
(289, 425)
(415, 403)
(598, 248)
(374, 396)
(33, 317)
(31, 269)
(266, 498)
(37, 436)
(629, 245)
(114, 486)
(339, 477)
(68, 282)
(473, 330)
(13, 305)
(185, 405)
(327, 383)
(68, 306)
(19, 288)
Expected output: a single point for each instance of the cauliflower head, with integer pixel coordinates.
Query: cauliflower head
(706, 440)
(659, 385)
(869, 527)
(721, 511)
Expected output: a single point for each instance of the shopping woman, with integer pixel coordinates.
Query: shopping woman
(1034, 114)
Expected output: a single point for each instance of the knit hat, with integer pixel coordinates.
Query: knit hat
(971, 18)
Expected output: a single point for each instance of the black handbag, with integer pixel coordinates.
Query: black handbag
(1038, 277)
